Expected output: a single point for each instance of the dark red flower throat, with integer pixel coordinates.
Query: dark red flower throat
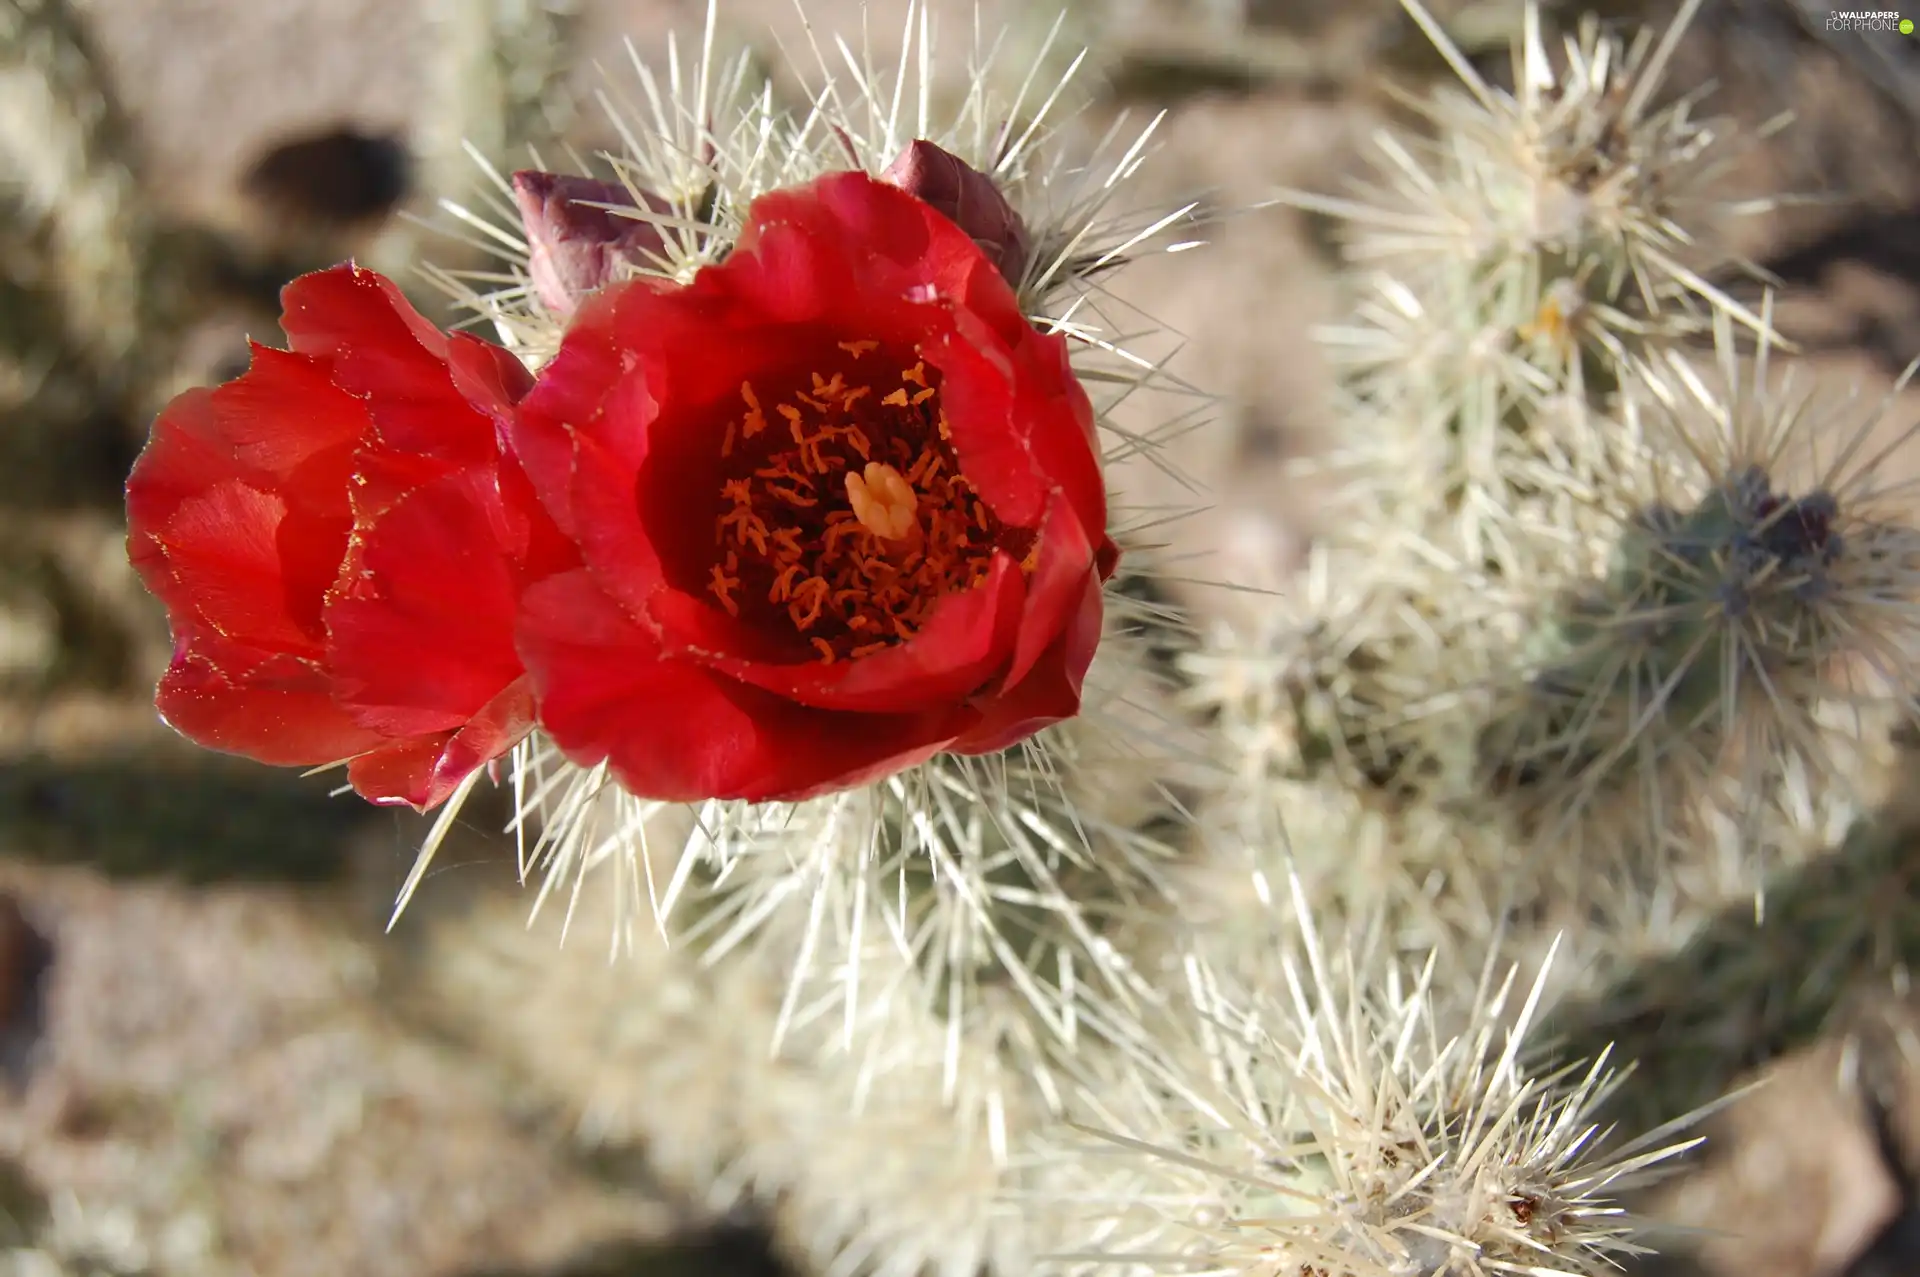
(843, 516)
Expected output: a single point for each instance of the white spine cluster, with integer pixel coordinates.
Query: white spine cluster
(1603, 609)
(1313, 1117)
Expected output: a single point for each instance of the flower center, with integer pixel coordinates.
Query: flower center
(884, 502)
(844, 515)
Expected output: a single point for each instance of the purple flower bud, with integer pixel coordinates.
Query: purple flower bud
(968, 198)
(573, 246)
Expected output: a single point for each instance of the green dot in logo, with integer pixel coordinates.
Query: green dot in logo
(1906, 26)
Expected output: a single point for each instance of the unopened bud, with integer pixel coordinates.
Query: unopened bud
(968, 198)
(575, 245)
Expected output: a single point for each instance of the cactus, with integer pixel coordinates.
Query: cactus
(1606, 636)
(1332, 1125)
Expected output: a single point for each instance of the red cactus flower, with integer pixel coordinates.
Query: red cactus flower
(839, 505)
(340, 543)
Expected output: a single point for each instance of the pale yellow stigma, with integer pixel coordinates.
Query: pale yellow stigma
(883, 501)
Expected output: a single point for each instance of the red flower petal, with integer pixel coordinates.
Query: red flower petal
(592, 359)
(675, 732)
(269, 426)
(271, 707)
(1061, 572)
(357, 315)
(1050, 693)
(420, 637)
(846, 243)
(1050, 393)
(223, 553)
(401, 772)
(958, 651)
(490, 378)
(987, 410)
(280, 428)
(423, 771)
(607, 463)
(378, 347)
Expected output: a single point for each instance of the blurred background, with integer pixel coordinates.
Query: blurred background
(214, 1059)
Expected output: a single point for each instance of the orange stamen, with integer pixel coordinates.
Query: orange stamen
(722, 587)
(806, 611)
(855, 521)
(755, 420)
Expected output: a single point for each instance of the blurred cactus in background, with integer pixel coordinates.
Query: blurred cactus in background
(1415, 918)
